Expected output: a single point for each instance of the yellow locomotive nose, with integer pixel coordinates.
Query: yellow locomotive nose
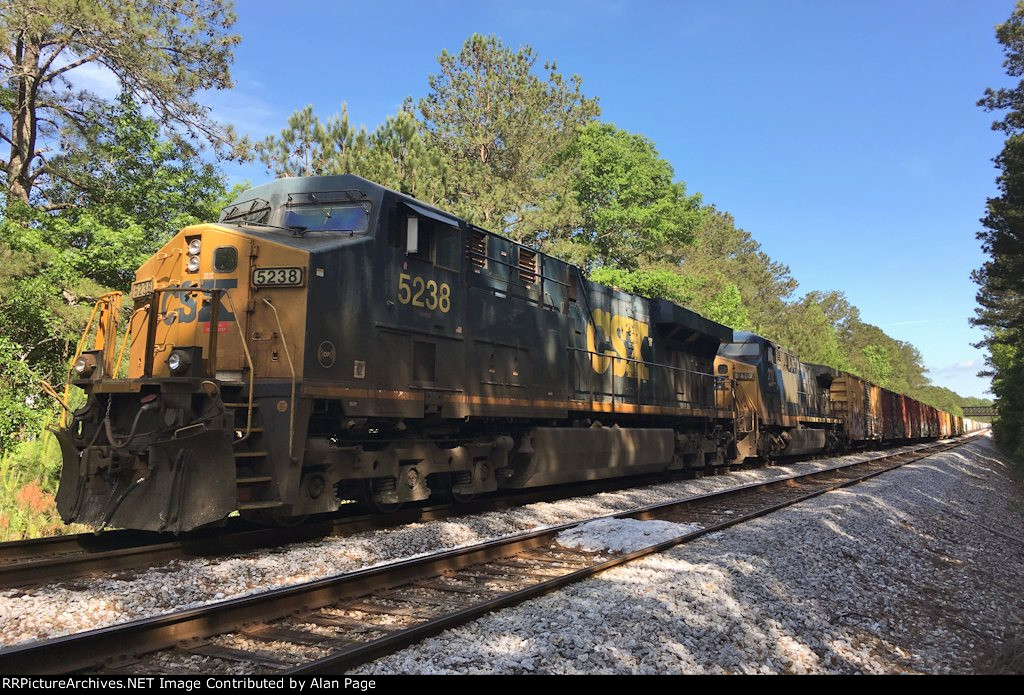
(176, 326)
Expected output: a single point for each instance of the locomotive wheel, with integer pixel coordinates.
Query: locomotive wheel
(462, 497)
(375, 505)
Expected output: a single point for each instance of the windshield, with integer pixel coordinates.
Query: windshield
(740, 350)
(349, 217)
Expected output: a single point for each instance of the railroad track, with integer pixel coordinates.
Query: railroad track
(334, 624)
(60, 558)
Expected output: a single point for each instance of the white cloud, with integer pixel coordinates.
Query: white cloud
(93, 77)
(956, 368)
(250, 114)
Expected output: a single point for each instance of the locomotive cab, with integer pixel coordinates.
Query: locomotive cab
(782, 404)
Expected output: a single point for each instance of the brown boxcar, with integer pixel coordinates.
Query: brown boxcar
(892, 416)
(849, 399)
(914, 416)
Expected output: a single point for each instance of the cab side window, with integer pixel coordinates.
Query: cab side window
(446, 248)
(438, 244)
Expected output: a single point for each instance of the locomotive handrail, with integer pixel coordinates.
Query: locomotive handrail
(651, 365)
(106, 327)
(291, 367)
(127, 339)
(252, 371)
(643, 362)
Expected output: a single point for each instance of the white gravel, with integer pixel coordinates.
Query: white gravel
(82, 604)
(917, 570)
(622, 535)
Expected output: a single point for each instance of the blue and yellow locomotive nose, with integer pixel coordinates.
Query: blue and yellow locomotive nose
(208, 290)
(213, 311)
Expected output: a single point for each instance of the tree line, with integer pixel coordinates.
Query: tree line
(499, 137)
(1001, 279)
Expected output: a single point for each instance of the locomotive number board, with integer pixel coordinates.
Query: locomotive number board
(277, 277)
(142, 289)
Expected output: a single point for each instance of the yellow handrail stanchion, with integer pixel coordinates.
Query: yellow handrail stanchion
(109, 308)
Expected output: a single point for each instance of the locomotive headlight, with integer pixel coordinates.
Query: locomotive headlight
(178, 362)
(84, 366)
(193, 263)
(193, 247)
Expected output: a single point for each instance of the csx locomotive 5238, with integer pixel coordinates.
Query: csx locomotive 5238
(332, 339)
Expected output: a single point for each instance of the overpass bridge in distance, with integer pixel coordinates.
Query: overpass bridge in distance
(979, 411)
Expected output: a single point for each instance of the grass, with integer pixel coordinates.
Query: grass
(29, 473)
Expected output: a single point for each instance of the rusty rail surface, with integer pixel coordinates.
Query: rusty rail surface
(420, 597)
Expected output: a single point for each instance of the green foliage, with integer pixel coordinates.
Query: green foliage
(729, 255)
(396, 154)
(1001, 279)
(502, 130)
(401, 157)
(805, 328)
(654, 283)
(53, 266)
(19, 407)
(1008, 386)
(308, 146)
(44, 302)
(631, 208)
(722, 304)
(878, 365)
(140, 191)
(29, 473)
(163, 54)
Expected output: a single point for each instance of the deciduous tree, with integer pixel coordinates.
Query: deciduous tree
(632, 210)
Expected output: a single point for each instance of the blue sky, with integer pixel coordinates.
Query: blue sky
(843, 135)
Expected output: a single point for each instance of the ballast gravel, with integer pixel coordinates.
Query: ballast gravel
(622, 535)
(915, 571)
(87, 603)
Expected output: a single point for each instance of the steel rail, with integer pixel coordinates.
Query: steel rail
(362, 653)
(41, 560)
(117, 645)
(58, 558)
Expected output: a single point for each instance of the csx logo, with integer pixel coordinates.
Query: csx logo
(188, 309)
(617, 336)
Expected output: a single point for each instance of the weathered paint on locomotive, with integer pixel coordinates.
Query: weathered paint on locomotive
(386, 368)
(184, 316)
(332, 334)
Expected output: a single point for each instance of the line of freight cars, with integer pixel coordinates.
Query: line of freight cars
(871, 413)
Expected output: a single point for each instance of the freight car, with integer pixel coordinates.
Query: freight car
(330, 338)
